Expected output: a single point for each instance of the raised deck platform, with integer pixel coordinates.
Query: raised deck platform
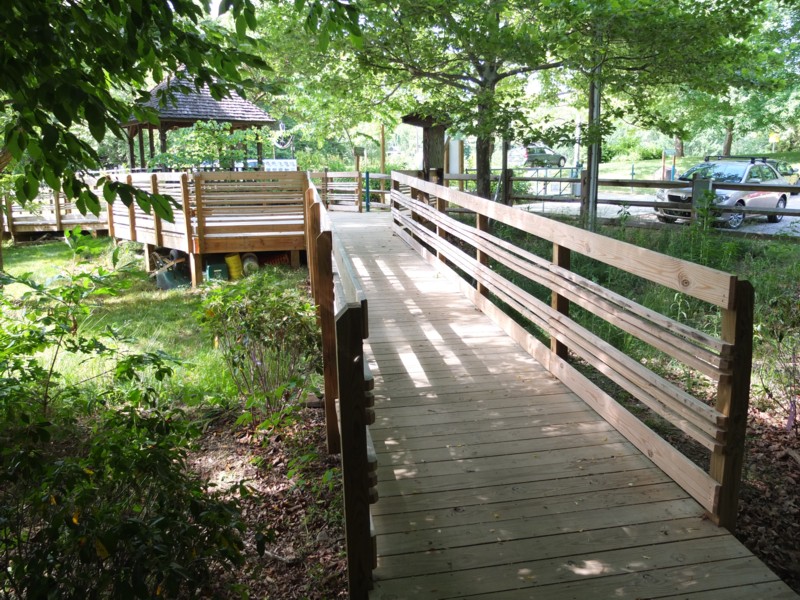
(496, 481)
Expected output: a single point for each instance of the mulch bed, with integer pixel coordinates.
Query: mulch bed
(299, 516)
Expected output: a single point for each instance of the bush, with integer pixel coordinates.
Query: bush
(267, 331)
(95, 497)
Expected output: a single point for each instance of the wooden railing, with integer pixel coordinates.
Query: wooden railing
(343, 317)
(49, 211)
(218, 212)
(340, 189)
(690, 208)
(473, 256)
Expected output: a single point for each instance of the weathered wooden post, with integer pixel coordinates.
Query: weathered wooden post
(733, 397)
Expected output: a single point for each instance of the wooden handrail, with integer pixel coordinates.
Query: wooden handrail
(342, 310)
(464, 252)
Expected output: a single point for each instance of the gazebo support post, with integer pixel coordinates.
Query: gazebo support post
(142, 160)
(131, 151)
(151, 141)
(162, 139)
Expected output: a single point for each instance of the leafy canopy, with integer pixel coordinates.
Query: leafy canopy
(63, 63)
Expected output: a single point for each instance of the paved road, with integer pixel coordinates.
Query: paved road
(788, 226)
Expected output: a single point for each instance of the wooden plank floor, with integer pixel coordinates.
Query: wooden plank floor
(495, 481)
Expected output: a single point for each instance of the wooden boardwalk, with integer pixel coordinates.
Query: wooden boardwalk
(496, 481)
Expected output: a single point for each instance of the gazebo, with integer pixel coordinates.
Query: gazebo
(185, 105)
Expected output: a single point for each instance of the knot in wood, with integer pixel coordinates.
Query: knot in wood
(684, 280)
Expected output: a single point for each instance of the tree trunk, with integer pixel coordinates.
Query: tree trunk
(483, 163)
(726, 147)
(679, 149)
(5, 159)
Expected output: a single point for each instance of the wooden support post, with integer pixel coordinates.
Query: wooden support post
(162, 139)
(151, 142)
(260, 155)
(561, 258)
(199, 245)
(196, 268)
(57, 209)
(699, 188)
(359, 192)
(156, 219)
(294, 259)
(12, 229)
(131, 215)
(352, 406)
(142, 160)
(110, 219)
(321, 265)
(131, 151)
(733, 397)
(186, 205)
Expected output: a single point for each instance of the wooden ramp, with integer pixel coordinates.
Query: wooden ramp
(497, 482)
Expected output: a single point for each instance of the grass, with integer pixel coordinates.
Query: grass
(147, 319)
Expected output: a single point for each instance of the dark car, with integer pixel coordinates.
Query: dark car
(539, 155)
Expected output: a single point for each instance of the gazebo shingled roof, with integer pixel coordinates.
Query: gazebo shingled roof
(184, 108)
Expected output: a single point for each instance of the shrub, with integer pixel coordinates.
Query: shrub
(266, 329)
(95, 499)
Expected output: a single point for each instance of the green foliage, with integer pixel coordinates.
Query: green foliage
(73, 61)
(95, 497)
(266, 329)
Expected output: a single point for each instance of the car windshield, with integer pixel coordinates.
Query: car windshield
(721, 171)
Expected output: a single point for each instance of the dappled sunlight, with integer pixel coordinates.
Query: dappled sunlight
(587, 568)
(390, 276)
(361, 268)
(414, 369)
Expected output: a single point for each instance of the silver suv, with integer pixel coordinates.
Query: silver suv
(731, 170)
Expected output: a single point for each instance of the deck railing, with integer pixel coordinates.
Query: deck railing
(476, 259)
(49, 211)
(218, 212)
(342, 309)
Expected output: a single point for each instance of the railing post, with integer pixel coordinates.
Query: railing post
(57, 209)
(733, 395)
(561, 258)
(359, 199)
(353, 421)
(699, 188)
(156, 219)
(131, 214)
(366, 193)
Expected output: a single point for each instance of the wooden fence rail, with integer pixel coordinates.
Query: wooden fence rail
(342, 309)
(476, 259)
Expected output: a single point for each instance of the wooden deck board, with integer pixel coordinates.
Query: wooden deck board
(495, 480)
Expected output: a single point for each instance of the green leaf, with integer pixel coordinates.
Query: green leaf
(162, 205)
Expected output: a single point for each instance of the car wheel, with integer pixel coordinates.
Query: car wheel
(736, 219)
(666, 219)
(562, 161)
(780, 206)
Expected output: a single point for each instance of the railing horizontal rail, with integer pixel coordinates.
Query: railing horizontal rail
(477, 259)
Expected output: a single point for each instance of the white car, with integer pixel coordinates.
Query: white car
(732, 170)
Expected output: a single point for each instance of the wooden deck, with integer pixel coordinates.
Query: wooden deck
(495, 480)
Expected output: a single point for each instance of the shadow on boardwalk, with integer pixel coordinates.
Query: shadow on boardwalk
(495, 480)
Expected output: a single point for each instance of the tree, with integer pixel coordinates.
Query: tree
(472, 61)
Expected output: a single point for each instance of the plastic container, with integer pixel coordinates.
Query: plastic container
(249, 263)
(216, 270)
(234, 262)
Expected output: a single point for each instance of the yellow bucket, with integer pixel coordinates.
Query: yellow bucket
(234, 263)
